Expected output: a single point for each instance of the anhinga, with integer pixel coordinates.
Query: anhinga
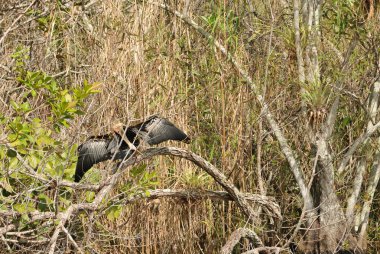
(123, 142)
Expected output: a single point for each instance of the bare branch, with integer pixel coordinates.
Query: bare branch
(206, 166)
(71, 239)
(356, 186)
(300, 62)
(63, 217)
(266, 250)
(370, 192)
(268, 202)
(15, 21)
(360, 140)
(235, 238)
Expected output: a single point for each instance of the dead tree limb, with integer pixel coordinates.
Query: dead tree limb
(218, 176)
(271, 207)
(237, 235)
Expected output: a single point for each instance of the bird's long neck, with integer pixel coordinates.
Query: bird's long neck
(127, 137)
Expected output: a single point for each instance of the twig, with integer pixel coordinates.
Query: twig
(71, 239)
(360, 140)
(15, 21)
(5, 242)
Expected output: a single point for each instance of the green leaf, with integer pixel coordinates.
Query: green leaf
(24, 207)
(45, 203)
(5, 184)
(33, 160)
(135, 171)
(11, 153)
(90, 196)
(114, 212)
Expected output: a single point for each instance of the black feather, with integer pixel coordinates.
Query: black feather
(101, 148)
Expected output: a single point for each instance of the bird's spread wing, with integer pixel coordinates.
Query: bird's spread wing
(156, 130)
(94, 150)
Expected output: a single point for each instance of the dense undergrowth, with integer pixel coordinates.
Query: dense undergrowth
(69, 70)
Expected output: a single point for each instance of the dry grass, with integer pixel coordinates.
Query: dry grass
(149, 62)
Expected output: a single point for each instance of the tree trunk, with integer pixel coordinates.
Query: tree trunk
(330, 233)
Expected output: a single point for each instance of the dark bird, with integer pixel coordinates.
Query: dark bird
(123, 142)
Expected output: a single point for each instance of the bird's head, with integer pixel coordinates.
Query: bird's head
(118, 128)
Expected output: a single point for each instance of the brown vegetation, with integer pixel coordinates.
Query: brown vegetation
(280, 99)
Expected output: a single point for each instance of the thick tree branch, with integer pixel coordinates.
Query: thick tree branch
(236, 236)
(272, 208)
(205, 165)
(269, 203)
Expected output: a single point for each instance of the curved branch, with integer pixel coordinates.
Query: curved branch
(268, 202)
(272, 208)
(237, 235)
(206, 166)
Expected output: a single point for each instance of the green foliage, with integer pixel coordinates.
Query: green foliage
(31, 146)
(197, 180)
(139, 183)
(142, 178)
(114, 212)
(343, 15)
(225, 22)
(316, 94)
